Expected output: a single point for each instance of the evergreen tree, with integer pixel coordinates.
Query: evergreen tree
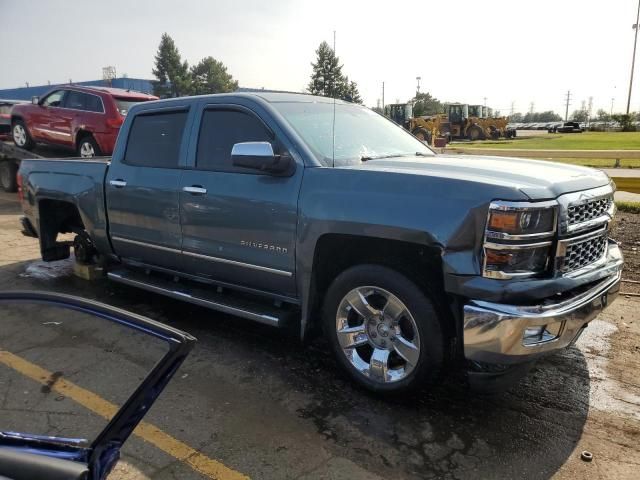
(173, 76)
(210, 76)
(327, 72)
(327, 79)
(351, 93)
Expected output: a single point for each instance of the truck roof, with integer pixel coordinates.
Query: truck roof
(271, 97)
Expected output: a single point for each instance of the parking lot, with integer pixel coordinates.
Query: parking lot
(250, 401)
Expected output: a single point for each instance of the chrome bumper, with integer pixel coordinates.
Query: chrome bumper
(499, 333)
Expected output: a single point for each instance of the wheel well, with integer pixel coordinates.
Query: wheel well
(422, 264)
(16, 117)
(80, 134)
(56, 217)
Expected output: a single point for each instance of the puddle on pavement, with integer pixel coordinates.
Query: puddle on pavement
(606, 393)
(49, 270)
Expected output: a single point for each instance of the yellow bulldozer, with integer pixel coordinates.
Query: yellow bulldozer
(461, 121)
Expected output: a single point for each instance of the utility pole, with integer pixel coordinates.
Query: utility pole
(334, 42)
(512, 108)
(589, 111)
(485, 101)
(633, 59)
(383, 96)
(568, 102)
(418, 86)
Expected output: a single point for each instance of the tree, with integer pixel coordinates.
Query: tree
(210, 76)
(173, 76)
(548, 116)
(327, 79)
(515, 117)
(351, 93)
(425, 104)
(581, 115)
(625, 120)
(602, 115)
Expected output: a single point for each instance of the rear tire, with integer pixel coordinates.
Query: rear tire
(21, 136)
(384, 331)
(88, 147)
(8, 171)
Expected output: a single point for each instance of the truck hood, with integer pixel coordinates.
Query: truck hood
(537, 179)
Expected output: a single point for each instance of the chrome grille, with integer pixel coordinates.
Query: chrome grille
(583, 253)
(585, 211)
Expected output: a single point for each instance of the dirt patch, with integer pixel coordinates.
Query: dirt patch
(626, 231)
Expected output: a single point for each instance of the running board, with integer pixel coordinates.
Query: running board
(230, 303)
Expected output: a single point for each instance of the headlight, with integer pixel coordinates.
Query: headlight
(518, 239)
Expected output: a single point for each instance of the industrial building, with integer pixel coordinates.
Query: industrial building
(25, 93)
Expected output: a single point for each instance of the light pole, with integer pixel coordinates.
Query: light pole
(418, 87)
(633, 59)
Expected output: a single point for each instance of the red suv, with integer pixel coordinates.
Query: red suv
(85, 119)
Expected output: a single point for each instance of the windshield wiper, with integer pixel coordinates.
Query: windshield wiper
(395, 155)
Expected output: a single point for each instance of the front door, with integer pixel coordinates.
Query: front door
(142, 189)
(42, 120)
(238, 225)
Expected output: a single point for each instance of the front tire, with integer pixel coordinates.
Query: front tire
(21, 136)
(423, 135)
(383, 329)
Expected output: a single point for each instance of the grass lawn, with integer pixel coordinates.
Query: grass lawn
(564, 141)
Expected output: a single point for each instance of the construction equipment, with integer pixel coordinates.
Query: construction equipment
(402, 114)
(460, 121)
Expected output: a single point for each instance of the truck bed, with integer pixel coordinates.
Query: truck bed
(52, 187)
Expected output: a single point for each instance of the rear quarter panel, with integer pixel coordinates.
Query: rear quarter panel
(79, 182)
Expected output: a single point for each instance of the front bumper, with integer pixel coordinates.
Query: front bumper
(500, 333)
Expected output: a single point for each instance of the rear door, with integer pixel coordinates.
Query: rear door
(238, 226)
(142, 188)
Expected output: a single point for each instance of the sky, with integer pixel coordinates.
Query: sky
(507, 51)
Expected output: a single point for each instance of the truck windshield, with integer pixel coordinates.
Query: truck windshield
(360, 133)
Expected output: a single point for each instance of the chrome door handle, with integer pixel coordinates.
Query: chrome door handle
(195, 190)
(118, 183)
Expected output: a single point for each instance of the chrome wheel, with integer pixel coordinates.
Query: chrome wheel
(19, 135)
(86, 150)
(378, 334)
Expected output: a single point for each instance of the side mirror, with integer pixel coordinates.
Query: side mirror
(259, 156)
(35, 100)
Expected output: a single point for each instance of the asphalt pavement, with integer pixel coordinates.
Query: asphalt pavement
(251, 401)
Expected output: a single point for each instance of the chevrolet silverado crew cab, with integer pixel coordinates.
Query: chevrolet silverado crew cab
(288, 208)
(82, 119)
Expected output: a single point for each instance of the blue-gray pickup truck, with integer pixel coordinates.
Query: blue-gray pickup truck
(286, 208)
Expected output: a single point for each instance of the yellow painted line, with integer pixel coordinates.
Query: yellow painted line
(148, 432)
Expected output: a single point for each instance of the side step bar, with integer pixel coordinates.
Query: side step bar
(225, 303)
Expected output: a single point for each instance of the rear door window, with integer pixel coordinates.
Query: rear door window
(154, 140)
(83, 101)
